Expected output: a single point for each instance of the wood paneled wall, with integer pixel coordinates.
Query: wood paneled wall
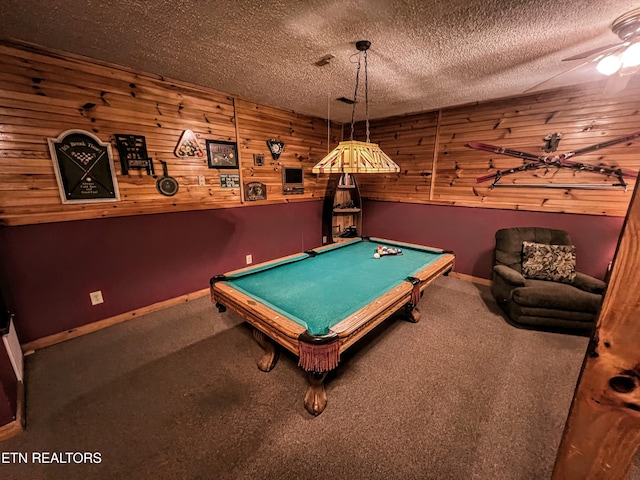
(410, 140)
(305, 141)
(43, 93)
(437, 166)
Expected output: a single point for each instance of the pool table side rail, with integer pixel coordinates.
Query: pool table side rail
(359, 323)
(273, 324)
(375, 240)
(258, 267)
(424, 248)
(334, 246)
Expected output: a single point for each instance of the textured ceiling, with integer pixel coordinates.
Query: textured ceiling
(424, 54)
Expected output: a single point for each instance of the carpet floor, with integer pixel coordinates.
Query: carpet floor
(176, 394)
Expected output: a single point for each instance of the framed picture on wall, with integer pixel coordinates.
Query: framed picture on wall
(258, 159)
(222, 154)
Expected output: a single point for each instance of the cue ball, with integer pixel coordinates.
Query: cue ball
(376, 255)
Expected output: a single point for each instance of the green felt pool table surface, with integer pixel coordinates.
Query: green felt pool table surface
(319, 291)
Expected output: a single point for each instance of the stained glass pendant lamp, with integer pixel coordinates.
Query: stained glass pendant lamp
(353, 156)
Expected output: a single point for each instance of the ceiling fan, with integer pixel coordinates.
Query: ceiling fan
(618, 61)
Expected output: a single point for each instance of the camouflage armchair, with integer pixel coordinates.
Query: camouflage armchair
(535, 282)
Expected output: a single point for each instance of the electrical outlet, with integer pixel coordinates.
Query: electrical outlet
(201, 181)
(249, 259)
(324, 239)
(96, 297)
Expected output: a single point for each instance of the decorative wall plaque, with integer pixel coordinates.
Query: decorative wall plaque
(188, 146)
(133, 153)
(255, 191)
(84, 168)
(229, 180)
(276, 147)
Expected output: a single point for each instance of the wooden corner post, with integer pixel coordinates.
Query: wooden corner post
(602, 432)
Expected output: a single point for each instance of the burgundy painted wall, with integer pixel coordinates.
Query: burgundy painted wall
(8, 379)
(470, 232)
(8, 388)
(48, 270)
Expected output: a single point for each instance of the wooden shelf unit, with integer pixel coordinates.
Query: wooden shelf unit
(346, 209)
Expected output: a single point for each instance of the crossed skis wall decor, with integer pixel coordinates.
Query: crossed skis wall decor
(534, 162)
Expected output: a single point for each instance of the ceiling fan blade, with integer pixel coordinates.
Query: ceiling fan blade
(616, 84)
(548, 80)
(595, 51)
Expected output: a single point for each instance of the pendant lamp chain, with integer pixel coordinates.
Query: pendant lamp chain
(366, 95)
(355, 97)
(363, 47)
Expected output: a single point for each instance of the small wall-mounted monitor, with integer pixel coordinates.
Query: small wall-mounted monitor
(292, 180)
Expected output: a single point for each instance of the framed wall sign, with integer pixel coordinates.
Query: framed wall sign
(222, 154)
(84, 168)
(229, 180)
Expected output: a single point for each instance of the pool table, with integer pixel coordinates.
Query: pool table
(319, 303)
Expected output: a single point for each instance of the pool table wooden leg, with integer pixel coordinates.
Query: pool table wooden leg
(411, 308)
(271, 352)
(412, 314)
(315, 400)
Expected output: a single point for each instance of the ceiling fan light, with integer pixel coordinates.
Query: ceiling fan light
(631, 56)
(609, 65)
